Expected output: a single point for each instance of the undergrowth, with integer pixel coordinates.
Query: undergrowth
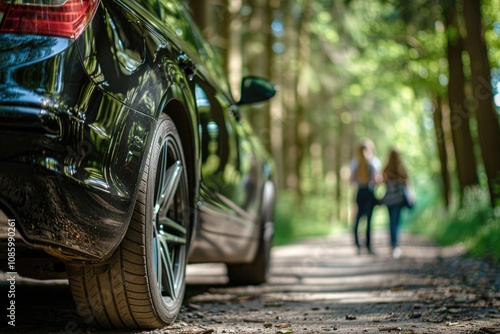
(297, 219)
(474, 223)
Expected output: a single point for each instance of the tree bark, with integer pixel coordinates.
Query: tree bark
(487, 119)
(441, 146)
(459, 115)
(302, 126)
(231, 30)
(201, 12)
(289, 83)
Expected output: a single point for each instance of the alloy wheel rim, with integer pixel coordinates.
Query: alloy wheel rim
(169, 230)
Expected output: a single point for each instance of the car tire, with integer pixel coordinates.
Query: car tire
(142, 285)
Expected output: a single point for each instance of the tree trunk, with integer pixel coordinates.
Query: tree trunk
(302, 126)
(441, 145)
(487, 119)
(269, 70)
(459, 115)
(289, 83)
(201, 11)
(341, 135)
(231, 29)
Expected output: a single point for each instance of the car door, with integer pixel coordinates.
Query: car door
(229, 168)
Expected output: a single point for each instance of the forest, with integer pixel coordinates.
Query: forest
(422, 76)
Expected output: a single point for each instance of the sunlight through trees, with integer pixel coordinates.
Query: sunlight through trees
(420, 75)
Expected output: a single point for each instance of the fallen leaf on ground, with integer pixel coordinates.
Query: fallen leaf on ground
(285, 325)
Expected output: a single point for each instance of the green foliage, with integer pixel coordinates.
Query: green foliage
(474, 224)
(372, 69)
(310, 217)
(491, 19)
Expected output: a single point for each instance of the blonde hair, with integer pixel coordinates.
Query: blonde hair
(363, 169)
(395, 169)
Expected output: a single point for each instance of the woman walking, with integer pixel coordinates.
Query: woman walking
(395, 177)
(365, 169)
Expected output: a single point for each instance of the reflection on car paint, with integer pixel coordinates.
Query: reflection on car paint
(124, 140)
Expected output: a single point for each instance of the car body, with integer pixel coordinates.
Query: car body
(124, 156)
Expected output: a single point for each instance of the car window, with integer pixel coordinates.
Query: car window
(213, 130)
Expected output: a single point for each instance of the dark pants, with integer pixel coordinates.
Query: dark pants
(365, 200)
(394, 218)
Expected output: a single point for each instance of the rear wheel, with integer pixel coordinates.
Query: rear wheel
(257, 271)
(142, 285)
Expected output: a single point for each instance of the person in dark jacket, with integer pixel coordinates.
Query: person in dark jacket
(365, 170)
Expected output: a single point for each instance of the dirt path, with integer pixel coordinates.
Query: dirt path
(317, 286)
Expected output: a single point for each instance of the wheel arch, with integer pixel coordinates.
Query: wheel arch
(180, 107)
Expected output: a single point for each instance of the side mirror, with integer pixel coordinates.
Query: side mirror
(256, 89)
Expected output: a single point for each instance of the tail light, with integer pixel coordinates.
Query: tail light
(62, 18)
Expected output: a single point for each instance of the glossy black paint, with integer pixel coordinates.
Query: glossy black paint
(64, 175)
(76, 119)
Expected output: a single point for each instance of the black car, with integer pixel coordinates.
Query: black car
(124, 156)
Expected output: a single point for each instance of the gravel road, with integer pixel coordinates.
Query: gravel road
(317, 286)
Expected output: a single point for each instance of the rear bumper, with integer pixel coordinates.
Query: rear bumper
(71, 185)
(67, 220)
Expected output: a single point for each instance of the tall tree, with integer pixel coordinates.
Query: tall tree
(487, 119)
(441, 145)
(231, 28)
(289, 83)
(302, 127)
(459, 115)
(201, 12)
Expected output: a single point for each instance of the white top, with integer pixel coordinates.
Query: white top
(374, 166)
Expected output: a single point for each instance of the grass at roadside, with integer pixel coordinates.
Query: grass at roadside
(315, 216)
(474, 224)
(309, 217)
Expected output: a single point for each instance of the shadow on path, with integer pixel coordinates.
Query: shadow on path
(318, 285)
(323, 285)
